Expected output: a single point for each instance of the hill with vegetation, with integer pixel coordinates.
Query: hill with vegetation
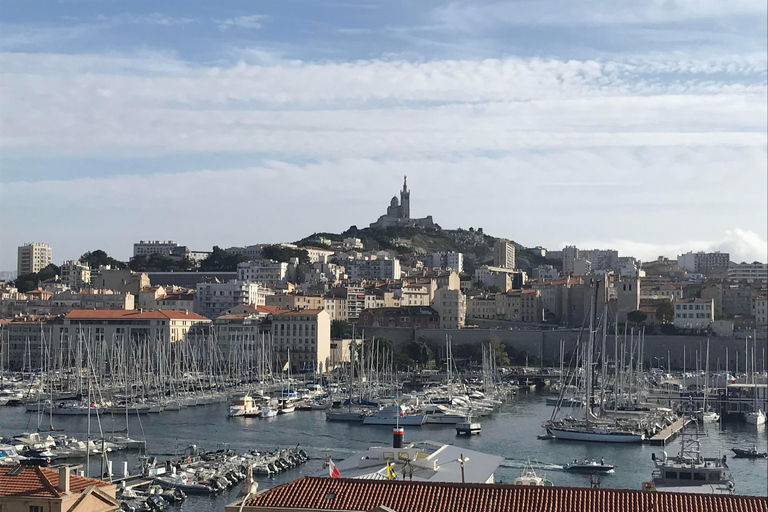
(476, 246)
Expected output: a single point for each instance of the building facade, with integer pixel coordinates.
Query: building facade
(695, 314)
(452, 260)
(75, 275)
(267, 272)
(749, 272)
(504, 254)
(703, 262)
(144, 248)
(451, 306)
(304, 335)
(211, 299)
(32, 258)
(373, 269)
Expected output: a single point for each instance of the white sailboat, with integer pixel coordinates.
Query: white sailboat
(756, 416)
(706, 415)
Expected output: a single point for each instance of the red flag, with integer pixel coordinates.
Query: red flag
(333, 471)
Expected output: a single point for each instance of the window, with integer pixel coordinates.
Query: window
(671, 474)
(685, 476)
(35, 508)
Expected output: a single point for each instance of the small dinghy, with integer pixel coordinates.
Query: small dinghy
(589, 466)
(749, 453)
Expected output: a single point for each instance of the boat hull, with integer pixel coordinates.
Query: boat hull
(595, 436)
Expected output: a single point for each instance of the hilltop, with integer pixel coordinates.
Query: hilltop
(473, 243)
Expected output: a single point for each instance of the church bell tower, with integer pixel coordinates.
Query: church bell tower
(405, 200)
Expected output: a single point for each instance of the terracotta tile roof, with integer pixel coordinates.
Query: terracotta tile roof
(41, 482)
(299, 312)
(362, 495)
(132, 314)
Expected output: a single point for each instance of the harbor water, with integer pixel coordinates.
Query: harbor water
(510, 432)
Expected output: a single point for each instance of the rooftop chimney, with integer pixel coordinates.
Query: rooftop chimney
(63, 479)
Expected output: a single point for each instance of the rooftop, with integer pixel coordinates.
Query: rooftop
(41, 482)
(339, 494)
(133, 314)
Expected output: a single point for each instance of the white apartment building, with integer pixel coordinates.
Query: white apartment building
(452, 260)
(252, 252)
(601, 259)
(570, 255)
(211, 299)
(703, 262)
(373, 269)
(317, 254)
(669, 291)
(306, 334)
(144, 248)
(749, 272)
(630, 267)
(760, 312)
(353, 243)
(452, 307)
(160, 297)
(415, 294)
(545, 273)
(268, 272)
(503, 254)
(32, 258)
(355, 301)
(694, 313)
(75, 275)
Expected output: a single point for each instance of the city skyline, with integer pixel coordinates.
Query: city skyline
(639, 128)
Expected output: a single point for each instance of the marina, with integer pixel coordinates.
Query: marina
(509, 432)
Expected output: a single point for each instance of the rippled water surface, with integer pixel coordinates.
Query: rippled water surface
(510, 432)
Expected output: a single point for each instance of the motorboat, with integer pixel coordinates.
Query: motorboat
(437, 413)
(589, 466)
(244, 406)
(187, 484)
(351, 415)
(749, 453)
(286, 406)
(755, 417)
(394, 415)
(709, 417)
(529, 477)
(468, 428)
(689, 472)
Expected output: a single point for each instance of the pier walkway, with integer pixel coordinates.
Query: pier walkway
(669, 433)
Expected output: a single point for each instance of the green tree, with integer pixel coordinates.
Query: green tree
(159, 263)
(665, 311)
(340, 329)
(26, 282)
(221, 261)
(419, 352)
(499, 349)
(494, 288)
(637, 316)
(99, 258)
(49, 272)
(284, 254)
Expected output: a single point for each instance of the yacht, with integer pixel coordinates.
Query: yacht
(689, 472)
(529, 477)
(394, 415)
(243, 406)
(755, 417)
(436, 413)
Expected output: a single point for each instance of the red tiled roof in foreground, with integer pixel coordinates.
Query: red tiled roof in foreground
(41, 482)
(363, 495)
(133, 314)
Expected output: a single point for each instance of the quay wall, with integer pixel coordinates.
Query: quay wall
(546, 344)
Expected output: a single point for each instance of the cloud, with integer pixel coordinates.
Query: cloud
(250, 22)
(153, 18)
(743, 245)
(466, 15)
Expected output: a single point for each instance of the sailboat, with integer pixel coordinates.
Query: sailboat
(756, 416)
(706, 415)
(591, 428)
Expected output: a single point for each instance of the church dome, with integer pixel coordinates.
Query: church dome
(394, 201)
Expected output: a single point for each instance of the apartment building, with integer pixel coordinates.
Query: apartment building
(695, 314)
(211, 299)
(451, 306)
(75, 275)
(504, 254)
(32, 258)
(760, 312)
(336, 307)
(703, 262)
(749, 272)
(452, 260)
(267, 272)
(305, 335)
(293, 301)
(144, 248)
(374, 269)
(481, 307)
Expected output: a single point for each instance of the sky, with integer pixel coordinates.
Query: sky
(626, 124)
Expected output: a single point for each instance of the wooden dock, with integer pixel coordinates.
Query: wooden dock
(669, 433)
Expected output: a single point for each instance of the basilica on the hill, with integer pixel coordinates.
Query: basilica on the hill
(399, 212)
